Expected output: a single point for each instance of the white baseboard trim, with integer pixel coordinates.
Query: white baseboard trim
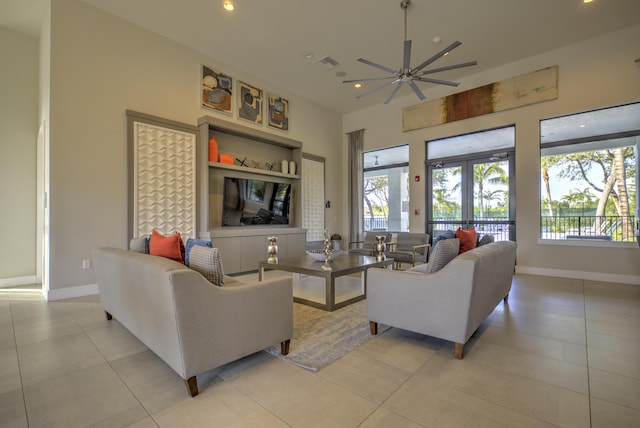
(573, 274)
(18, 281)
(71, 292)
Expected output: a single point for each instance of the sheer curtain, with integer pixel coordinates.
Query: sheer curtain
(356, 144)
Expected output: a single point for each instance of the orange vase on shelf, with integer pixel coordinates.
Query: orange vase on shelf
(213, 150)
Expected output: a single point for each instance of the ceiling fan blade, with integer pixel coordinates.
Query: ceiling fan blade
(437, 81)
(393, 93)
(376, 89)
(406, 61)
(378, 66)
(440, 54)
(416, 90)
(449, 67)
(369, 79)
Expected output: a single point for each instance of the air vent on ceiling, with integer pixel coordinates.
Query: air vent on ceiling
(326, 63)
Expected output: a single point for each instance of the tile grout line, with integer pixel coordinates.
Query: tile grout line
(586, 343)
(115, 372)
(15, 342)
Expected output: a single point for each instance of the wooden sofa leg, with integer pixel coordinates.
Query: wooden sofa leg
(458, 350)
(108, 316)
(373, 327)
(192, 386)
(506, 298)
(284, 347)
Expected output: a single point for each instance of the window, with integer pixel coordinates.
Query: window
(471, 183)
(588, 175)
(386, 189)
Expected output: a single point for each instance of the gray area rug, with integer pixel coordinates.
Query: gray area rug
(321, 337)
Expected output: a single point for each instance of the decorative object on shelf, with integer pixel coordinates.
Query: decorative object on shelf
(213, 149)
(271, 165)
(278, 112)
(380, 248)
(335, 241)
(292, 167)
(272, 249)
(242, 162)
(250, 103)
(285, 167)
(226, 158)
(217, 90)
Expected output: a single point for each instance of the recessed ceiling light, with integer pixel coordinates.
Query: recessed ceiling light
(358, 85)
(308, 55)
(228, 5)
(583, 125)
(587, 1)
(340, 73)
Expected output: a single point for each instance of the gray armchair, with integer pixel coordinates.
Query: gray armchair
(367, 247)
(409, 247)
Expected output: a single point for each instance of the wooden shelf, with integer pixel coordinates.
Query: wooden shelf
(250, 170)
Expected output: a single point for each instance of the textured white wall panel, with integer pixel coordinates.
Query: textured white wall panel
(165, 181)
(313, 199)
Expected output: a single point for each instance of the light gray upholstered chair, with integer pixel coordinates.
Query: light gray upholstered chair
(367, 246)
(410, 247)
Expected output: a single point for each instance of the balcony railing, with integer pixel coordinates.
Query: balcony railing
(609, 228)
(376, 223)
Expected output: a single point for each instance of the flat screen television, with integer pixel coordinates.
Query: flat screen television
(248, 202)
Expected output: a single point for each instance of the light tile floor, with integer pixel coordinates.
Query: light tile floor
(560, 353)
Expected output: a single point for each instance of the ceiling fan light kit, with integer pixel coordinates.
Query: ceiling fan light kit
(409, 75)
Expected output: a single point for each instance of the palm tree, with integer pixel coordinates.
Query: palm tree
(491, 173)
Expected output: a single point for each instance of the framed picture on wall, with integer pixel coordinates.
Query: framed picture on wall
(278, 112)
(217, 90)
(249, 102)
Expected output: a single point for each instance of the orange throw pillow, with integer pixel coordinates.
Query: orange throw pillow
(167, 246)
(467, 238)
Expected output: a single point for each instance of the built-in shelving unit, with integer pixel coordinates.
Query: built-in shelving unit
(243, 247)
(250, 170)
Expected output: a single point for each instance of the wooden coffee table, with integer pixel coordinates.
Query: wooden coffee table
(342, 265)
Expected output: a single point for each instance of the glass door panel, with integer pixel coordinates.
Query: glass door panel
(447, 196)
(491, 198)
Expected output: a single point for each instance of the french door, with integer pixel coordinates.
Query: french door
(472, 191)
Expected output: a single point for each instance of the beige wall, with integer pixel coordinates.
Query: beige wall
(596, 73)
(100, 67)
(18, 131)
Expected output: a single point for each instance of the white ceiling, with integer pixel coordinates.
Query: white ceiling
(269, 38)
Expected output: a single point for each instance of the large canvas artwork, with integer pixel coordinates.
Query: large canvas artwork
(249, 103)
(530, 88)
(217, 90)
(278, 112)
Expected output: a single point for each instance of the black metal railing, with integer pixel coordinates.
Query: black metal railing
(609, 228)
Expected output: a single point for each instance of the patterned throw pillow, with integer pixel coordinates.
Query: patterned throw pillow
(442, 254)
(207, 261)
(140, 244)
(191, 242)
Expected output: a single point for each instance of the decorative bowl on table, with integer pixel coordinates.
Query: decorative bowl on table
(318, 254)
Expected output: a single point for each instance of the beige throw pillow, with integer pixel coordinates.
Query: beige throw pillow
(207, 261)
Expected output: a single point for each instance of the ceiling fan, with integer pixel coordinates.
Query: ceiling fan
(409, 75)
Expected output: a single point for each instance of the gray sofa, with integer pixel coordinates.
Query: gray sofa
(189, 323)
(449, 304)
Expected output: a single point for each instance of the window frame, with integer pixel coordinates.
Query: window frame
(595, 140)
